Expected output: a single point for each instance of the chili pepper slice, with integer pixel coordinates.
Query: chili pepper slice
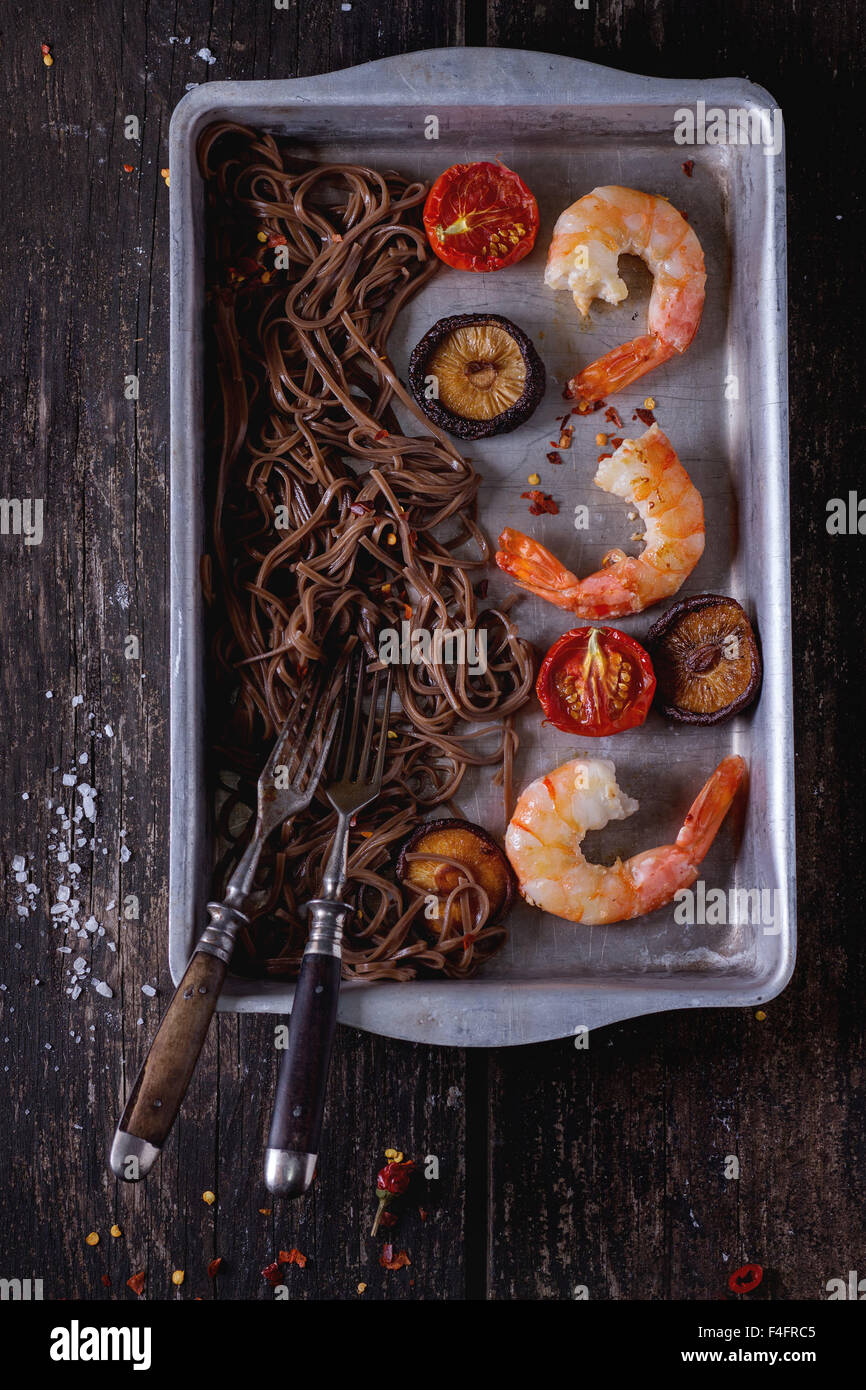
(746, 1278)
(480, 217)
(596, 681)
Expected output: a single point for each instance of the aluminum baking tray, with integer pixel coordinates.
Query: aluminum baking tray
(566, 126)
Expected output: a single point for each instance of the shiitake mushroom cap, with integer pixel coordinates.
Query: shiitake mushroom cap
(687, 644)
(468, 843)
(460, 425)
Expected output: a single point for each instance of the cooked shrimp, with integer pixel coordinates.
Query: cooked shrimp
(554, 813)
(588, 239)
(644, 471)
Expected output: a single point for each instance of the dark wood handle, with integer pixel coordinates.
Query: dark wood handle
(165, 1075)
(300, 1099)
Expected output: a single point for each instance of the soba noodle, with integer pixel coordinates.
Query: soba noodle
(329, 522)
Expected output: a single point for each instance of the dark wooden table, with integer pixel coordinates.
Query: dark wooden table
(558, 1167)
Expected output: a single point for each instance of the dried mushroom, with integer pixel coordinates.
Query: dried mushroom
(476, 375)
(706, 659)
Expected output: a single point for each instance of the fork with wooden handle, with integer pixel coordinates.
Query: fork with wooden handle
(286, 786)
(296, 1125)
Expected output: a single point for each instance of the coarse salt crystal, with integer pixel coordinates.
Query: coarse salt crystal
(109, 732)
(77, 700)
(148, 990)
(18, 862)
(102, 988)
(69, 779)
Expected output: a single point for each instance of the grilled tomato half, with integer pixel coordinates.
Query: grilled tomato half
(476, 375)
(480, 217)
(706, 659)
(596, 681)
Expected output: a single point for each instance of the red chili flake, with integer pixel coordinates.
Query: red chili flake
(388, 1218)
(105, 1281)
(272, 1273)
(645, 415)
(128, 168)
(540, 503)
(586, 407)
(604, 456)
(482, 587)
(616, 441)
(248, 265)
(274, 240)
(46, 48)
(381, 434)
(136, 1283)
(292, 1257)
(745, 1279)
(553, 457)
(213, 1267)
(688, 166)
(566, 437)
(612, 414)
(422, 1212)
(391, 1182)
(388, 1260)
(361, 509)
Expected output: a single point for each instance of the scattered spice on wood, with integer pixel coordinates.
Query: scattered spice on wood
(541, 502)
(273, 1274)
(214, 1267)
(388, 1260)
(688, 167)
(136, 1282)
(292, 1257)
(745, 1279)
(391, 1182)
(105, 1281)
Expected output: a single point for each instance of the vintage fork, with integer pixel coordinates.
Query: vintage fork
(165, 1075)
(296, 1125)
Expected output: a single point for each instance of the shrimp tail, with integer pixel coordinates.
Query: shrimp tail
(535, 568)
(658, 874)
(620, 367)
(710, 807)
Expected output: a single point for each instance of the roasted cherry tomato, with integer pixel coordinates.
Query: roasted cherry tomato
(480, 217)
(596, 681)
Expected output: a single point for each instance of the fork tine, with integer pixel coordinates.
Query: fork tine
(383, 733)
(309, 686)
(326, 747)
(315, 718)
(351, 744)
(368, 731)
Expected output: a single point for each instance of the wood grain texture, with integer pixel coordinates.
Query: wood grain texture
(557, 1167)
(628, 1139)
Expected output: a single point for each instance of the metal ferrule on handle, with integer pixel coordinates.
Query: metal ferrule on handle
(328, 919)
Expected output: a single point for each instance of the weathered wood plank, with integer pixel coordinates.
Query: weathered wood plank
(606, 1165)
(87, 307)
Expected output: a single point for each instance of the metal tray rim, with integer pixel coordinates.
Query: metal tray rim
(494, 1012)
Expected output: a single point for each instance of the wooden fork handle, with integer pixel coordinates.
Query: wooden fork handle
(299, 1105)
(165, 1075)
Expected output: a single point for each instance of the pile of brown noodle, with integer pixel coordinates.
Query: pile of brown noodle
(328, 522)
